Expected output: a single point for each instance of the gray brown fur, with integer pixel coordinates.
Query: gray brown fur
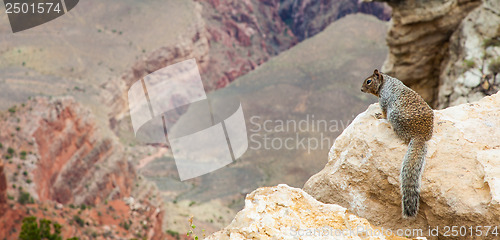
(412, 120)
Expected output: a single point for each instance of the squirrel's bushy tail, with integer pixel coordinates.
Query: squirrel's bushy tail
(411, 172)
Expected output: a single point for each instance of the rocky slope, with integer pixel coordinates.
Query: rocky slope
(59, 146)
(460, 183)
(469, 70)
(283, 212)
(55, 158)
(419, 40)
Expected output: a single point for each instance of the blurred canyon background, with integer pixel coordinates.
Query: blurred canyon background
(67, 147)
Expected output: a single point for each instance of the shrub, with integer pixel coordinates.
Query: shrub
(31, 230)
(25, 197)
(10, 151)
(173, 234)
(79, 220)
(126, 225)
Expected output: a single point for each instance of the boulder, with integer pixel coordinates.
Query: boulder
(283, 212)
(460, 182)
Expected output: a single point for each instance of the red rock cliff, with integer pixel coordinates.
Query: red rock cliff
(54, 151)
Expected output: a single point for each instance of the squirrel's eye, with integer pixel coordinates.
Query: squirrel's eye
(369, 81)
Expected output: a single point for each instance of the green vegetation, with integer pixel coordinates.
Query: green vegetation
(174, 234)
(79, 220)
(493, 42)
(126, 225)
(191, 230)
(12, 109)
(31, 230)
(25, 197)
(23, 155)
(10, 151)
(469, 64)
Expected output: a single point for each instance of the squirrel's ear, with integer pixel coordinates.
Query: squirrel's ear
(377, 74)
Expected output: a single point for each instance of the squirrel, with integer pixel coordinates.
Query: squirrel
(412, 119)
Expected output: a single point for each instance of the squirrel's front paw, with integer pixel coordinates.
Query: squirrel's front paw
(379, 116)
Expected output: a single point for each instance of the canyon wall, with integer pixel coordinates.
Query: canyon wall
(56, 159)
(418, 41)
(65, 157)
(469, 70)
(447, 51)
(230, 38)
(307, 18)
